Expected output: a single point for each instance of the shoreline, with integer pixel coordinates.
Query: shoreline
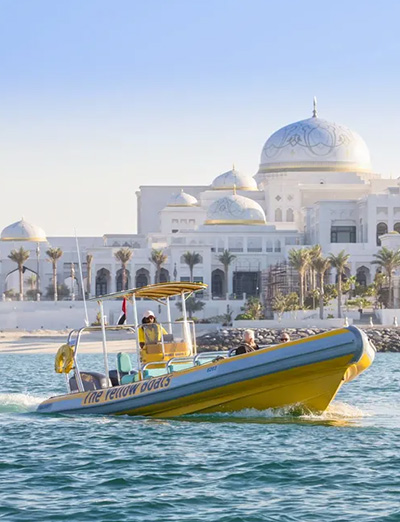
(49, 341)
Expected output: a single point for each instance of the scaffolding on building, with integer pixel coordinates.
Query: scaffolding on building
(278, 278)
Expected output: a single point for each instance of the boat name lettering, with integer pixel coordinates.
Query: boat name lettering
(120, 392)
(211, 369)
(155, 384)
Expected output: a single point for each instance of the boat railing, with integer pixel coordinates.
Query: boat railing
(154, 369)
(74, 339)
(206, 357)
(184, 363)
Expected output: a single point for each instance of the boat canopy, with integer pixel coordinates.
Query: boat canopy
(156, 292)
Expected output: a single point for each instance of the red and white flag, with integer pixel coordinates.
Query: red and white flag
(122, 317)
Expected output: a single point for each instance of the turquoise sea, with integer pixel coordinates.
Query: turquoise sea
(248, 467)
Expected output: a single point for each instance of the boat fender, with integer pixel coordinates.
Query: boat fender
(64, 359)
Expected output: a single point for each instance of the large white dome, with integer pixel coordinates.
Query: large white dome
(234, 179)
(23, 231)
(315, 144)
(235, 210)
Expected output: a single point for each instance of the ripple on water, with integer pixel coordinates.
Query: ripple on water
(272, 465)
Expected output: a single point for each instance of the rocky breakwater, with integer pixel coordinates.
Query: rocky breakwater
(384, 339)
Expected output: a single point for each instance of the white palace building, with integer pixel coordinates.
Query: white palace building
(315, 184)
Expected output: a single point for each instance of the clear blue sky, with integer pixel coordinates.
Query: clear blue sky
(100, 96)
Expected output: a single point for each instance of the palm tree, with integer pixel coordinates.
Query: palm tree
(158, 258)
(314, 252)
(377, 286)
(124, 255)
(89, 263)
(340, 262)
(192, 305)
(54, 255)
(191, 259)
(19, 257)
(226, 259)
(32, 282)
(389, 260)
(299, 259)
(321, 265)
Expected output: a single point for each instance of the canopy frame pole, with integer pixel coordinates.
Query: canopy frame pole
(82, 282)
(186, 331)
(169, 316)
(103, 332)
(135, 317)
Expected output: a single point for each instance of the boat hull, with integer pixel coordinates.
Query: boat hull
(307, 373)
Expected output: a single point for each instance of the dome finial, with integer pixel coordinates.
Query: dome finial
(233, 166)
(314, 112)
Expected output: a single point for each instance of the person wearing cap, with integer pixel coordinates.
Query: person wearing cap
(150, 332)
(248, 344)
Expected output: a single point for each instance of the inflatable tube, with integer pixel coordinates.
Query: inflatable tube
(64, 359)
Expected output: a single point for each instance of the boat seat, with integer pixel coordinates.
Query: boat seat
(114, 377)
(125, 370)
(154, 372)
(180, 366)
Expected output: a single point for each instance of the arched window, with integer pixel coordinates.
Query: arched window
(164, 275)
(381, 228)
(278, 214)
(396, 227)
(362, 276)
(142, 278)
(102, 281)
(269, 247)
(289, 215)
(217, 283)
(277, 246)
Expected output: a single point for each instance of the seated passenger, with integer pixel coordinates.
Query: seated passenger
(284, 338)
(248, 344)
(150, 332)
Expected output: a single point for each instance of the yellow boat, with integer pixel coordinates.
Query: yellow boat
(170, 378)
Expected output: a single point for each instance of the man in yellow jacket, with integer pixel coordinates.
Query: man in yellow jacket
(150, 332)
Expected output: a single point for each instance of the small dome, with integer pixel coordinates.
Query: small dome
(235, 210)
(23, 231)
(315, 144)
(234, 179)
(182, 199)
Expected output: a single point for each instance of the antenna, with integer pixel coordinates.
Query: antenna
(82, 285)
(314, 112)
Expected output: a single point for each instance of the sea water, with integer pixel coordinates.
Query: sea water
(250, 466)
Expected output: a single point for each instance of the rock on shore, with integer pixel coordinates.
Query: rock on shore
(384, 339)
